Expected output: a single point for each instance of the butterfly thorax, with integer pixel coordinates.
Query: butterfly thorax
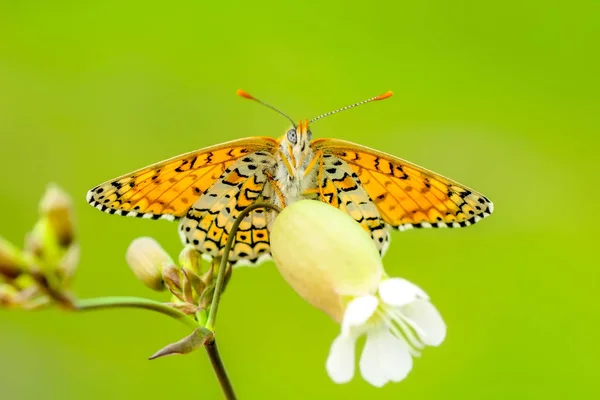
(293, 175)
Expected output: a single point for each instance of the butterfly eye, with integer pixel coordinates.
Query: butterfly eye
(309, 135)
(292, 136)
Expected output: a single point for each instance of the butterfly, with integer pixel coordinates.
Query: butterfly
(207, 189)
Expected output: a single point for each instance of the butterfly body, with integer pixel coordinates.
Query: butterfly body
(207, 189)
(294, 175)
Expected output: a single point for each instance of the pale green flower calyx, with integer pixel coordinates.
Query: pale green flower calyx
(324, 255)
(332, 262)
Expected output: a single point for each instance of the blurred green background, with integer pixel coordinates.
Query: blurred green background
(500, 96)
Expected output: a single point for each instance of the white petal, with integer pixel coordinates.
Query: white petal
(370, 367)
(385, 358)
(398, 292)
(358, 312)
(426, 320)
(397, 361)
(340, 362)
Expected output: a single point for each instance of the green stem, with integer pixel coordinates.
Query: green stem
(103, 303)
(99, 303)
(217, 363)
(211, 346)
(212, 315)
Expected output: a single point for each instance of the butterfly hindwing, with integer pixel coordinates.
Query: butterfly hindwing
(169, 188)
(405, 194)
(208, 222)
(339, 186)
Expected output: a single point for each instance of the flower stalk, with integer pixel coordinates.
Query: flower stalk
(103, 303)
(212, 315)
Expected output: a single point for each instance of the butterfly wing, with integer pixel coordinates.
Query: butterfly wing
(405, 194)
(169, 188)
(208, 222)
(339, 186)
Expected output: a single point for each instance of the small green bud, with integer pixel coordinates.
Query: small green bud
(56, 207)
(52, 239)
(8, 295)
(190, 259)
(12, 261)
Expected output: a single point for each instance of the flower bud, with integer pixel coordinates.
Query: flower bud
(147, 259)
(8, 295)
(189, 258)
(67, 266)
(324, 255)
(12, 262)
(56, 207)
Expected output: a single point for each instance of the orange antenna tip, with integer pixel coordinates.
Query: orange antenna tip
(248, 96)
(380, 97)
(384, 96)
(244, 94)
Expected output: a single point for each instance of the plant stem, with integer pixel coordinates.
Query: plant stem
(103, 303)
(99, 303)
(217, 363)
(211, 346)
(212, 315)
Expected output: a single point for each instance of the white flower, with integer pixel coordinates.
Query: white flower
(398, 321)
(332, 262)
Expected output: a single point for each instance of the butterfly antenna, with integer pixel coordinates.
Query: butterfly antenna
(380, 97)
(248, 96)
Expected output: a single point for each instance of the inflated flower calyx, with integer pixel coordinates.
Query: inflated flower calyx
(324, 255)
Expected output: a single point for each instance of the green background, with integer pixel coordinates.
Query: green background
(502, 96)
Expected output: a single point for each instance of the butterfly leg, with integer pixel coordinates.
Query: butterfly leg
(287, 163)
(318, 158)
(276, 187)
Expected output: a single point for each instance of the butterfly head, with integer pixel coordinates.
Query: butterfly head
(298, 136)
(294, 146)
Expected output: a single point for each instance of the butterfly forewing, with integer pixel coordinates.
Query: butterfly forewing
(169, 188)
(405, 194)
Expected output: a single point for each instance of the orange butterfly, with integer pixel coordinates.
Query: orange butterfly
(208, 188)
